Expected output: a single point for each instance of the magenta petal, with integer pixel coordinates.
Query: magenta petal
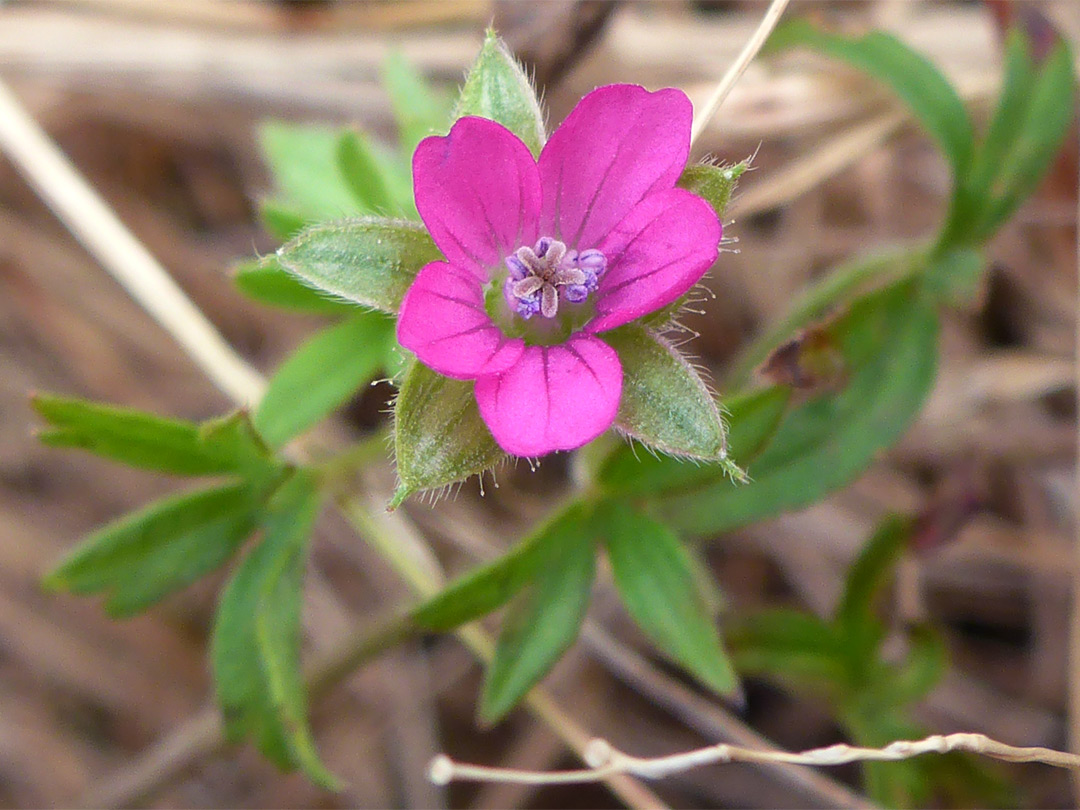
(661, 250)
(619, 144)
(478, 192)
(443, 321)
(553, 398)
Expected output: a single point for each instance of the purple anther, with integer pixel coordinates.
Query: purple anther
(542, 275)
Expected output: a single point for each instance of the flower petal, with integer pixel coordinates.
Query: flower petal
(553, 398)
(619, 144)
(478, 191)
(661, 250)
(444, 322)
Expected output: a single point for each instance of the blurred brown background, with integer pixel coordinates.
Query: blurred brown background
(156, 101)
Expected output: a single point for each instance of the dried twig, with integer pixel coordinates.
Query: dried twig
(102, 233)
(746, 56)
(604, 760)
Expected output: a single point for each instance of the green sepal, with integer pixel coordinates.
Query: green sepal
(439, 436)
(665, 404)
(371, 260)
(498, 88)
(753, 418)
(148, 554)
(255, 647)
(714, 184)
(266, 281)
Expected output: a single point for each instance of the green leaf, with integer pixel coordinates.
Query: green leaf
(497, 88)
(790, 647)
(304, 161)
(655, 580)
(837, 288)
(131, 437)
(921, 670)
(910, 75)
(544, 620)
(322, 375)
(281, 220)
(267, 282)
(712, 183)
(753, 418)
(371, 261)
(234, 435)
(255, 648)
(954, 275)
(889, 343)
(364, 171)
(419, 110)
(665, 404)
(148, 554)
(491, 586)
(1050, 110)
(439, 436)
(870, 573)
(1008, 120)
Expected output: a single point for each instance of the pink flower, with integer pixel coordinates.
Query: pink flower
(544, 256)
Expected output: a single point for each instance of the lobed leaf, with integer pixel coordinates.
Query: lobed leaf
(1050, 110)
(255, 648)
(488, 587)
(131, 437)
(281, 220)
(364, 171)
(169, 544)
(418, 109)
(371, 261)
(303, 159)
(789, 647)
(323, 374)
(656, 583)
(869, 574)
(545, 620)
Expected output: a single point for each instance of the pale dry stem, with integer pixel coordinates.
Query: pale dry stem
(605, 761)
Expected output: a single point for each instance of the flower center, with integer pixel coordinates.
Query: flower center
(543, 276)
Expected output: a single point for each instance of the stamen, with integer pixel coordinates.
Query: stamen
(542, 275)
